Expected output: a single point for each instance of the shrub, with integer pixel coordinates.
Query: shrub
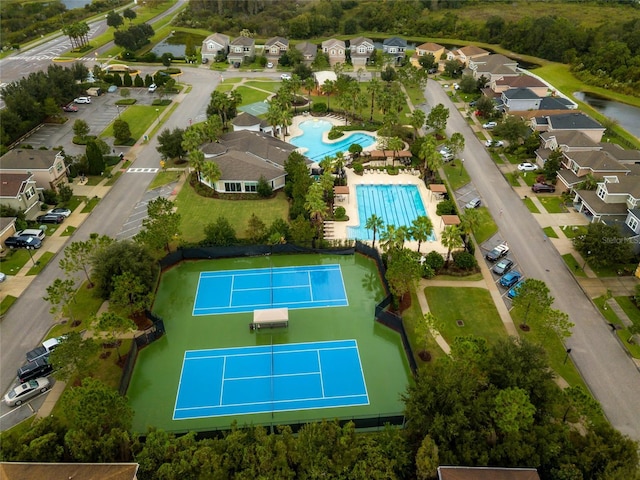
(65, 193)
(434, 260)
(358, 168)
(50, 197)
(319, 107)
(446, 207)
(340, 213)
(334, 133)
(392, 170)
(427, 271)
(264, 189)
(464, 260)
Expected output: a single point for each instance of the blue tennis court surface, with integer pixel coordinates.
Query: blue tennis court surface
(270, 378)
(236, 291)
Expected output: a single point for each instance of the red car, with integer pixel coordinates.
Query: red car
(70, 108)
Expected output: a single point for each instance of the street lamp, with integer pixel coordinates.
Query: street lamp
(31, 256)
(586, 259)
(158, 115)
(461, 165)
(566, 357)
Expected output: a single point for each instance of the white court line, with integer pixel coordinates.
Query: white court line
(289, 304)
(281, 375)
(233, 280)
(224, 368)
(310, 285)
(279, 345)
(321, 376)
(252, 354)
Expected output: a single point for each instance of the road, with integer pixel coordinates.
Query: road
(610, 374)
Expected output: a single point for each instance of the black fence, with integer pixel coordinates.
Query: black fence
(148, 336)
(394, 322)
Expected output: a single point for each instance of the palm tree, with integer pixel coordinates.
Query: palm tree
(422, 228)
(417, 120)
(273, 115)
(402, 234)
(329, 88)
(388, 238)
(196, 159)
(450, 238)
(395, 144)
(316, 206)
(469, 221)
(374, 89)
(374, 223)
(286, 119)
(211, 172)
(429, 154)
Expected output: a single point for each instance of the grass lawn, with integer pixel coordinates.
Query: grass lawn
(197, 211)
(486, 226)
(473, 306)
(91, 204)
(74, 203)
(622, 332)
(41, 263)
(474, 277)
(529, 177)
(456, 174)
(573, 265)
(84, 307)
(114, 178)
(550, 232)
(93, 180)
(513, 178)
(164, 178)
(630, 309)
(139, 118)
(553, 204)
(530, 205)
(573, 231)
(6, 303)
(251, 95)
(14, 261)
(410, 318)
(68, 231)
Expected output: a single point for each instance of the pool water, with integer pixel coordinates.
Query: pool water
(397, 205)
(317, 149)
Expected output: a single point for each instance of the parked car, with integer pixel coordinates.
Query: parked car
(31, 232)
(494, 143)
(489, 125)
(65, 212)
(82, 100)
(23, 241)
(152, 88)
(475, 203)
(70, 108)
(514, 291)
(285, 76)
(498, 252)
(503, 266)
(473, 103)
(509, 279)
(38, 368)
(3, 277)
(17, 396)
(43, 350)
(543, 187)
(433, 70)
(236, 64)
(112, 88)
(447, 157)
(527, 167)
(269, 65)
(50, 218)
(205, 60)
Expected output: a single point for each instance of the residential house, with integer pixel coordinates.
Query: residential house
(493, 67)
(66, 471)
(246, 121)
(487, 473)
(626, 157)
(465, 54)
(565, 141)
(18, 191)
(569, 121)
(309, 52)
(47, 166)
(336, 51)
(214, 45)
(244, 157)
(241, 49)
(274, 48)
(520, 99)
(501, 84)
(576, 165)
(395, 47)
(7, 229)
(361, 49)
(425, 49)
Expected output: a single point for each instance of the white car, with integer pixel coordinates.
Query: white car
(285, 76)
(153, 87)
(82, 100)
(527, 167)
(494, 143)
(490, 125)
(22, 393)
(269, 65)
(65, 212)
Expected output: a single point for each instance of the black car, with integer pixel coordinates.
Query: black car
(38, 368)
(23, 241)
(543, 187)
(503, 266)
(50, 218)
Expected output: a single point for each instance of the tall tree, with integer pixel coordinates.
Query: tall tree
(421, 229)
(113, 325)
(437, 118)
(170, 143)
(417, 120)
(130, 295)
(375, 224)
(60, 294)
(450, 238)
(456, 143)
(74, 357)
(114, 20)
(162, 225)
(534, 298)
(403, 273)
(78, 255)
(196, 160)
(211, 173)
(95, 160)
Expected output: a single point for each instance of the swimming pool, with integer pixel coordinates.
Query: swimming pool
(397, 205)
(317, 149)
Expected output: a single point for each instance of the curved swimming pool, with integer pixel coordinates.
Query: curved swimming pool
(317, 149)
(397, 205)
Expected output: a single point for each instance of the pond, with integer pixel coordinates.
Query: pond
(71, 4)
(627, 116)
(176, 44)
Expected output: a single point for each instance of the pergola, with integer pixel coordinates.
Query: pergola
(447, 220)
(438, 188)
(340, 192)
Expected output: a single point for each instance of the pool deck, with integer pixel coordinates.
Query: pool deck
(338, 230)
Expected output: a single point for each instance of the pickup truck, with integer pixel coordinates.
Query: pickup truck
(43, 350)
(498, 252)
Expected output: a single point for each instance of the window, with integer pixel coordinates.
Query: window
(250, 187)
(29, 193)
(633, 224)
(59, 167)
(232, 187)
(601, 193)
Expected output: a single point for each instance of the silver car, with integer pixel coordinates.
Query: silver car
(23, 392)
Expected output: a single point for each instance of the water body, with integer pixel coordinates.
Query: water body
(627, 116)
(71, 4)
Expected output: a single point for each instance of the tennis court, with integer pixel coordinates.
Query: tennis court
(237, 291)
(257, 108)
(270, 378)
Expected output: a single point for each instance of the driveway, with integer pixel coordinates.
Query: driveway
(609, 373)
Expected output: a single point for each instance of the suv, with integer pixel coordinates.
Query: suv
(82, 100)
(475, 203)
(152, 88)
(543, 187)
(508, 280)
(43, 350)
(23, 241)
(50, 218)
(38, 368)
(498, 252)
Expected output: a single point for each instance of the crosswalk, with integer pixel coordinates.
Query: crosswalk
(143, 170)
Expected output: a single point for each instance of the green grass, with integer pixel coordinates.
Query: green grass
(251, 95)
(93, 180)
(197, 211)
(13, 261)
(164, 178)
(628, 341)
(553, 204)
(139, 118)
(68, 231)
(630, 309)
(457, 175)
(473, 306)
(530, 205)
(529, 177)
(114, 178)
(513, 178)
(486, 228)
(84, 308)
(623, 332)
(410, 318)
(74, 203)
(91, 204)
(6, 303)
(573, 265)
(42, 262)
(573, 231)
(474, 277)
(550, 232)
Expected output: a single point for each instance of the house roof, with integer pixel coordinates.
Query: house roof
(325, 75)
(245, 119)
(555, 103)
(213, 148)
(494, 60)
(568, 177)
(243, 166)
(333, 42)
(487, 473)
(596, 160)
(394, 42)
(26, 159)
(573, 121)
(308, 49)
(219, 38)
(472, 51)
(12, 184)
(244, 41)
(520, 94)
(430, 47)
(263, 146)
(543, 153)
(354, 42)
(619, 153)
(570, 138)
(626, 184)
(598, 206)
(6, 222)
(65, 471)
(274, 40)
(524, 81)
